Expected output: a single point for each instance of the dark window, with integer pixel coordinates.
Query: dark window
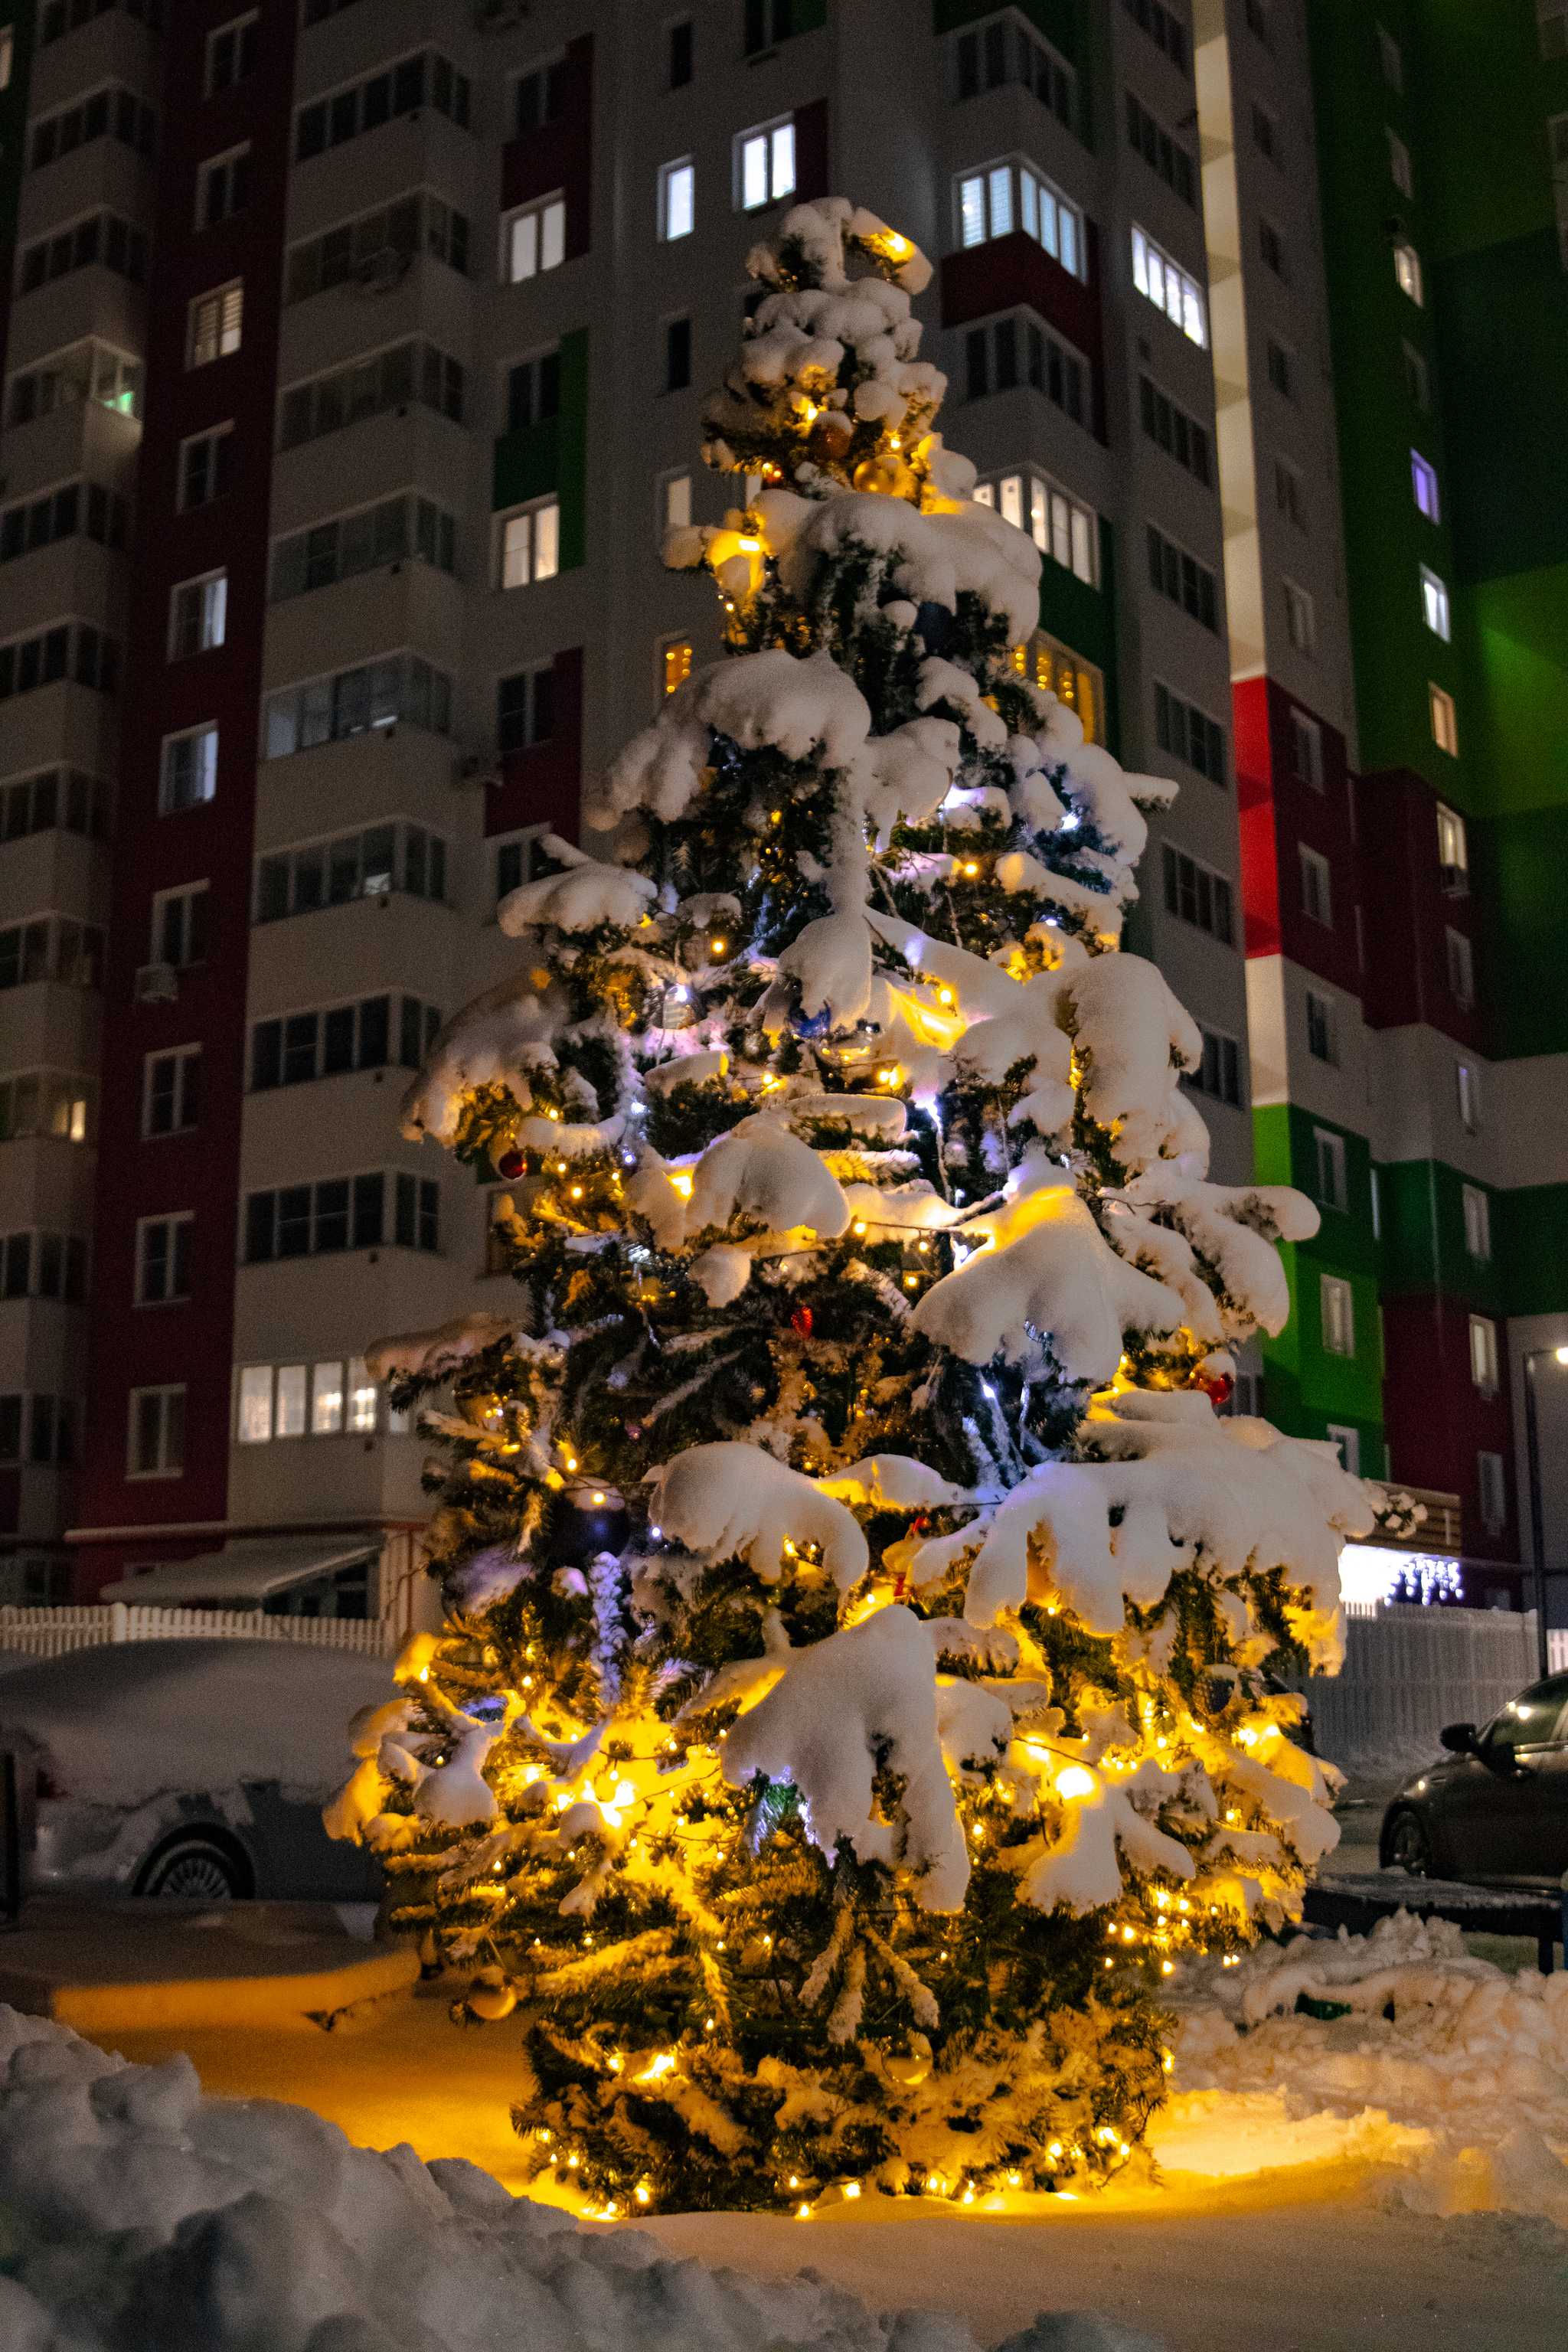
(1181, 578)
(525, 709)
(1180, 436)
(1279, 368)
(1190, 735)
(266, 1056)
(416, 1214)
(1161, 152)
(541, 95)
(231, 54)
(764, 23)
(1195, 895)
(681, 55)
(1166, 31)
(368, 1195)
(172, 1089)
(18, 1265)
(401, 90)
(1271, 248)
(204, 468)
(678, 355)
(1219, 1071)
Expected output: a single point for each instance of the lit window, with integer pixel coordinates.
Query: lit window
(764, 164)
(255, 1427)
(1445, 724)
(678, 503)
(677, 201)
(1483, 1354)
(1399, 165)
(1453, 848)
(214, 325)
(675, 664)
(1338, 1304)
(197, 612)
(1461, 968)
(534, 240)
(1166, 284)
(188, 774)
(1008, 196)
(1434, 604)
(156, 1434)
(326, 1400)
(530, 546)
(1493, 1492)
(290, 1417)
(1317, 888)
(1423, 484)
(1468, 1095)
(360, 1395)
(1407, 270)
(1060, 528)
(1478, 1225)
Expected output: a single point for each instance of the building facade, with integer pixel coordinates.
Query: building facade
(354, 356)
(1382, 181)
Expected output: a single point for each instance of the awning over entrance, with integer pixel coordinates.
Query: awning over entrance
(244, 1574)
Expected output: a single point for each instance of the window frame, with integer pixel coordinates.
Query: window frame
(678, 174)
(1192, 299)
(185, 1092)
(169, 803)
(1445, 719)
(1336, 1320)
(545, 249)
(1474, 1205)
(1437, 610)
(220, 300)
(168, 1420)
(168, 1220)
(1483, 1355)
(1026, 186)
(236, 29)
(1317, 885)
(770, 136)
(224, 161)
(207, 581)
(541, 543)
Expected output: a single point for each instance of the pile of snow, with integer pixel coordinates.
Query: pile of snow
(140, 2215)
(1410, 2052)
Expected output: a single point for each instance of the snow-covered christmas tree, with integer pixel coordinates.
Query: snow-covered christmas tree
(859, 1677)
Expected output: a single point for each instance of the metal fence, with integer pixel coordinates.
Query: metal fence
(50, 1632)
(1408, 1671)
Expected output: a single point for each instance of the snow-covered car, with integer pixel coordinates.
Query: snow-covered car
(192, 1768)
(1495, 1808)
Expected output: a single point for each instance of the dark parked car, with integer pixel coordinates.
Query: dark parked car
(1495, 1810)
(194, 1767)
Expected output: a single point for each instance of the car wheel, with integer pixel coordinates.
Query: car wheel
(1409, 1847)
(199, 1868)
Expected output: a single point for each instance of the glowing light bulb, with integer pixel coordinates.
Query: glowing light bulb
(971, 867)
(598, 1495)
(1075, 1782)
(576, 1192)
(861, 1225)
(852, 2189)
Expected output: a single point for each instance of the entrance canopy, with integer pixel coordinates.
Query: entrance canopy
(245, 1574)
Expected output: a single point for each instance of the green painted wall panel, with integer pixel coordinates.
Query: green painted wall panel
(552, 455)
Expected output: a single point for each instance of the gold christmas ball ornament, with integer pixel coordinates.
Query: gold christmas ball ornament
(491, 1997)
(885, 474)
(829, 436)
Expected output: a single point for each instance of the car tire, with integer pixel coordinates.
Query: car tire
(1407, 1846)
(199, 1868)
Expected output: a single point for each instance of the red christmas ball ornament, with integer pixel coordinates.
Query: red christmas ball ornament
(801, 1321)
(510, 1164)
(1218, 1387)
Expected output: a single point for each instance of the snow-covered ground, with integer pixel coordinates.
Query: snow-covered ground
(1396, 2048)
(1326, 2183)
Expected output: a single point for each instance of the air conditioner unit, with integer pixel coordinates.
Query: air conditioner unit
(380, 271)
(157, 983)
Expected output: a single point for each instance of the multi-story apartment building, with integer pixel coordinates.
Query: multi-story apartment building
(373, 336)
(1392, 321)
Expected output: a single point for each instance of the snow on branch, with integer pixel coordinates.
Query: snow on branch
(862, 1697)
(725, 1498)
(1050, 1280)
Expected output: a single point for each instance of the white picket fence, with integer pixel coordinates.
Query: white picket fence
(50, 1632)
(1409, 1670)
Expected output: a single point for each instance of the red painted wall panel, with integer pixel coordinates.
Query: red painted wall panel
(543, 785)
(1409, 911)
(811, 166)
(560, 154)
(1014, 269)
(189, 1343)
(1437, 1421)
